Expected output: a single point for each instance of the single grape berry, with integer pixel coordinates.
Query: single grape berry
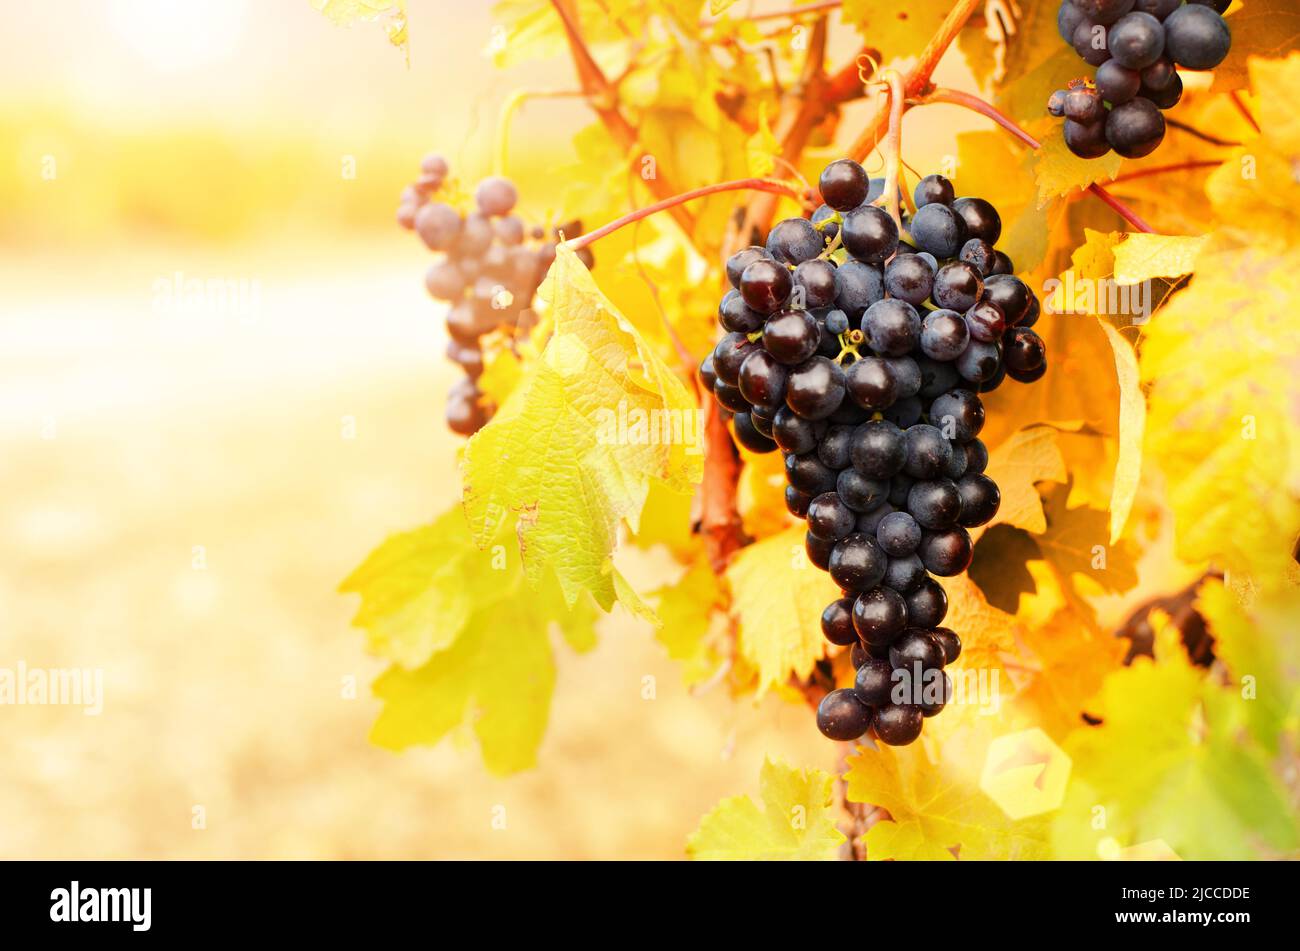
(857, 564)
(934, 503)
(1136, 40)
(879, 615)
(898, 534)
(794, 434)
(729, 354)
(957, 286)
(1084, 105)
(837, 623)
(829, 517)
(818, 550)
(765, 285)
(933, 189)
(940, 230)
(944, 335)
(438, 225)
(794, 241)
(985, 321)
(815, 388)
(980, 255)
(913, 646)
(1116, 83)
(1103, 11)
(1197, 37)
(837, 322)
(1056, 102)
(1023, 350)
(874, 681)
(950, 643)
(946, 553)
(936, 692)
(762, 379)
(814, 284)
(1165, 98)
(842, 716)
(738, 317)
(857, 287)
(959, 414)
(797, 502)
(1011, 295)
(878, 449)
(928, 451)
(860, 493)
(909, 277)
(843, 184)
(893, 327)
(1068, 18)
(980, 498)
(1162, 8)
(870, 383)
(742, 259)
(979, 362)
(898, 724)
(869, 234)
(1135, 128)
(791, 336)
(808, 473)
(927, 605)
(747, 434)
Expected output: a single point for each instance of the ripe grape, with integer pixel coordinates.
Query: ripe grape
(1023, 350)
(946, 553)
(797, 502)
(1056, 101)
(893, 327)
(1089, 42)
(742, 259)
(829, 517)
(762, 379)
(898, 724)
(737, 316)
(871, 384)
(1197, 37)
(959, 412)
(1136, 40)
(815, 280)
(979, 362)
(980, 498)
(808, 473)
(878, 449)
(933, 189)
(1135, 128)
(980, 255)
(874, 680)
(904, 574)
(765, 285)
(815, 388)
(795, 434)
(837, 622)
(909, 277)
(496, 196)
(842, 716)
(985, 321)
(857, 287)
(869, 234)
(857, 564)
(843, 185)
(1103, 11)
(747, 434)
(950, 643)
(936, 693)
(879, 615)
(1086, 140)
(934, 503)
(791, 336)
(1117, 83)
(794, 241)
(957, 286)
(833, 450)
(944, 335)
(927, 451)
(898, 534)
(1084, 105)
(1011, 295)
(861, 493)
(940, 230)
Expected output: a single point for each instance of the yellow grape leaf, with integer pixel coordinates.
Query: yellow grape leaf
(666, 520)
(1059, 171)
(1263, 29)
(936, 806)
(1171, 744)
(687, 608)
(1075, 543)
(574, 450)
(760, 494)
(986, 632)
(762, 148)
(1132, 424)
(989, 163)
(470, 642)
(898, 30)
(1140, 257)
(347, 12)
(1063, 665)
(794, 824)
(778, 598)
(718, 7)
(1257, 643)
(419, 588)
(1030, 456)
(1035, 62)
(500, 377)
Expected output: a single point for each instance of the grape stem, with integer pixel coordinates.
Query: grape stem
(1198, 134)
(742, 184)
(1237, 101)
(1163, 169)
(956, 97)
(893, 144)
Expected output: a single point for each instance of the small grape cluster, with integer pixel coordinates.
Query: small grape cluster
(861, 357)
(490, 266)
(1136, 47)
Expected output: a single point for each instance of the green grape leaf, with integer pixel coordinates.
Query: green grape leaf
(1060, 172)
(469, 639)
(778, 596)
(596, 419)
(794, 824)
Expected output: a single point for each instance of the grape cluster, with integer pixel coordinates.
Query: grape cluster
(489, 267)
(1137, 47)
(861, 354)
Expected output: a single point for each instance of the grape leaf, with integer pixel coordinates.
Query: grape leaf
(468, 640)
(762, 148)
(794, 824)
(1140, 257)
(1000, 566)
(1060, 172)
(1036, 60)
(1132, 424)
(575, 448)
(686, 608)
(936, 806)
(897, 30)
(1222, 366)
(986, 632)
(1171, 745)
(1075, 543)
(778, 596)
(1260, 28)
(717, 7)
(347, 12)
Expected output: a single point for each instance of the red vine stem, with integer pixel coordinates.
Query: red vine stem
(743, 184)
(1162, 169)
(917, 80)
(1235, 95)
(956, 97)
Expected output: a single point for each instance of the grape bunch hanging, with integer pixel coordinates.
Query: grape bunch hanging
(860, 354)
(1137, 47)
(490, 266)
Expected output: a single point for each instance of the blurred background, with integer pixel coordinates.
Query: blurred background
(185, 478)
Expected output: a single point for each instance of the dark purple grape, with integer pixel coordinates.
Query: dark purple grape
(959, 414)
(796, 502)
(762, 420)
(977, 456)
(904, 574)
(1056, 103)
(979, 362)
(980, 255)
(898, 535)
(728, 355)
(1103, 11)
(956, 467)
(907, 375)
(837, 623)
(1159, 75)
(871, 384)
(860, 493)
(909, 277)
(795, 434)
(1165, 98)
(791, 336)
(980, 498)
(1089, 42)
(1135, 128)
(842, 716)
(868, 522)
(1218, 6)
(794, 241)
(857, 564)
(893, 327)
(829, 517)
(833, 449)
(1023, 350)
(837, 322)
(927, 451)
(916, 646)
(730, 397)
(707, 374)
(874, 680)
(927, 605)
(933, 189)
(869, 234)
(904, 412)
(857, 287)
(1116, 83)
(940, 230)
(738, 317)
(944, 335)
(1162, 8)
(859, 655)
(1084, 105)
(765, 285)
(747, 434)
(814, 282)
(1068, 18)
(1196, 37)
(843, 184)
(809, 474)
(815, 388)
(762, 379)
(946, 553)
(818, 550)
(878, 449)
(879, 615)
(1136, 40)
(898, 725)
(950, 643)
(1002, 264)
(1032, 376)
(935, 693)
(985, 321)
(981, 218)
(957, 286)
(935, 503)
(742, 259)
(1086, 141)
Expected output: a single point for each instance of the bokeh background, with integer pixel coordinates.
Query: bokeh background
(273, 441)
